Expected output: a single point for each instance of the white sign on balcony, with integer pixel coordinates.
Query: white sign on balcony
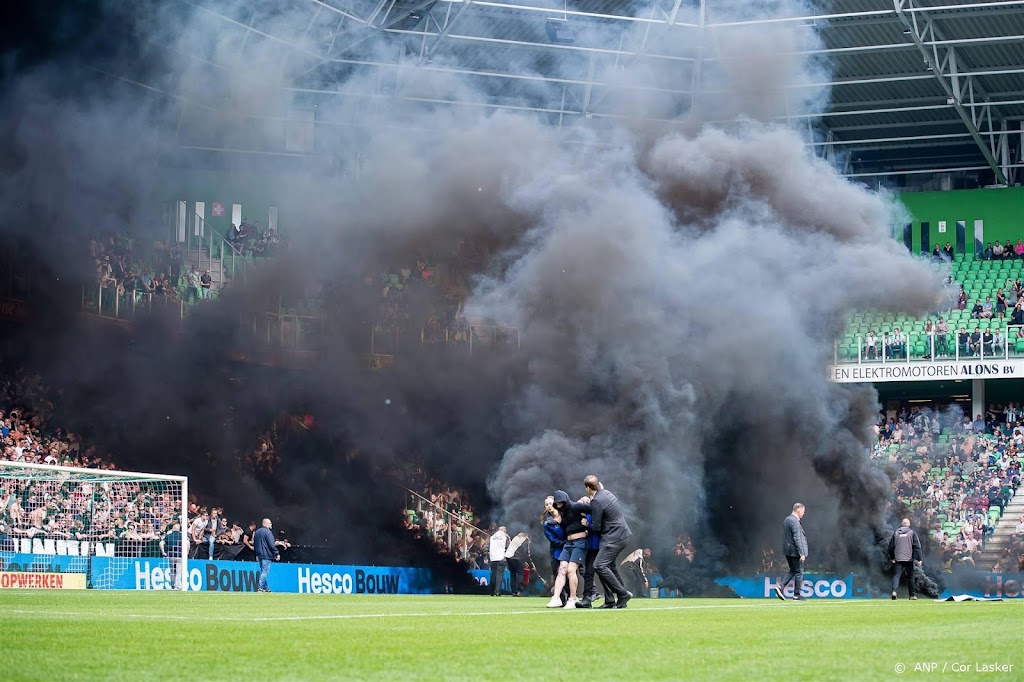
(995, 368)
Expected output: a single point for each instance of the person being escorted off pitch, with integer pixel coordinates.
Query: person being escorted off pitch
(609, 522)
(794, 546)
(904, 552)
(266, 551)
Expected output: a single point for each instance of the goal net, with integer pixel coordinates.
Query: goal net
(98, 523)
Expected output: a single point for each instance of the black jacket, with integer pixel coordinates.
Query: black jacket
(572, 513)
(794, 540)
(904, 545)
(608, 520)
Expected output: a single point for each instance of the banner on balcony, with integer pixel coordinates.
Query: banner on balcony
(927, 371)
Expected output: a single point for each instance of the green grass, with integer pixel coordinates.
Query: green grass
(221, 636)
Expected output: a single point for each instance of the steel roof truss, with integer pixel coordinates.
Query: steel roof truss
(944, 63)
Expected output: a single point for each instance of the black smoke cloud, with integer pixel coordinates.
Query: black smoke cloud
(677, 277)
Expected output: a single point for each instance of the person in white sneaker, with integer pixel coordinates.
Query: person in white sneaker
(574, 552)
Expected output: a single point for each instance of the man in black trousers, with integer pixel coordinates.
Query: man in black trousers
(794, 546)
(904, 552)
(609, 522)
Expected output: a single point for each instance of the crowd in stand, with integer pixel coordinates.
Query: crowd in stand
(993, 251)
(251, 241)
(135, 514)
(1003, 251)
(415, 299)
(949, 471)
(134, 271)
(156, 272)
(943, 341)
(211, 536)
(132, 514)
(442, 514)
(137, 270)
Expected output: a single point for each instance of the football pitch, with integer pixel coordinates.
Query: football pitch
(93, 635)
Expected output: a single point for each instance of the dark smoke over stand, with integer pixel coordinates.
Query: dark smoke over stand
(677, 278)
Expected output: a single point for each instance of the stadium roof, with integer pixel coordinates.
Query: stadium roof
(917, 87)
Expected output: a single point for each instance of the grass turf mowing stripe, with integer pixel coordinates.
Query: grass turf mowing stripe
(175, 636)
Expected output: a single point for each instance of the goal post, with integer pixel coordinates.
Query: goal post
(97, 523)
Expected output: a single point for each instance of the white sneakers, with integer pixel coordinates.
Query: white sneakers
(556, 603)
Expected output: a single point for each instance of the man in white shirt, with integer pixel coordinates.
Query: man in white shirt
(998, 345)
(498, 545)
(899, 344)
(870, 345)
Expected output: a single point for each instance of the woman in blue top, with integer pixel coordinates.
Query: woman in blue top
(555, 534)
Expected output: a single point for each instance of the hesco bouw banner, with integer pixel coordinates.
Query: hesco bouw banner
(242, 576)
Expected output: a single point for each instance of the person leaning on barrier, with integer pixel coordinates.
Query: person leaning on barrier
(170, 547)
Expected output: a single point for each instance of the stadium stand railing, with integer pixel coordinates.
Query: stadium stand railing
(456, 527)
(979, 279)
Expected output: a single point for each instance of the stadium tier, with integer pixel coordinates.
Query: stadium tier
(981, 281)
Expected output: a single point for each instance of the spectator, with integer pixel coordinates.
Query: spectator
(998, 251)
(987, 309)
(205, 283)
(870, 345)
(1017, 317)
(976, 341)
(192, 285)
(947, 252)
(941, 335)
(987, 342)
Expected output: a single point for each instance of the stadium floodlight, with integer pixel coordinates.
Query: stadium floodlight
(92, 522)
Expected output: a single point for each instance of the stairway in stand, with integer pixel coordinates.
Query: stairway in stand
(996, 544)
(200, 258)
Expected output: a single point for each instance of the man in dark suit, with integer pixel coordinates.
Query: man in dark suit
(609, 522)
(794, 546)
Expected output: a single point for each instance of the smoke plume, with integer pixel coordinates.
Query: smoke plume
(676, 271)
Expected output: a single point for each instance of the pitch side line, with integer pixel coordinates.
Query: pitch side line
(352, 616)
(346, 616)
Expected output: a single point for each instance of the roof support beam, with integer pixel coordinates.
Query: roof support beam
(449, 23)
(331, 8)
(943, 62)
